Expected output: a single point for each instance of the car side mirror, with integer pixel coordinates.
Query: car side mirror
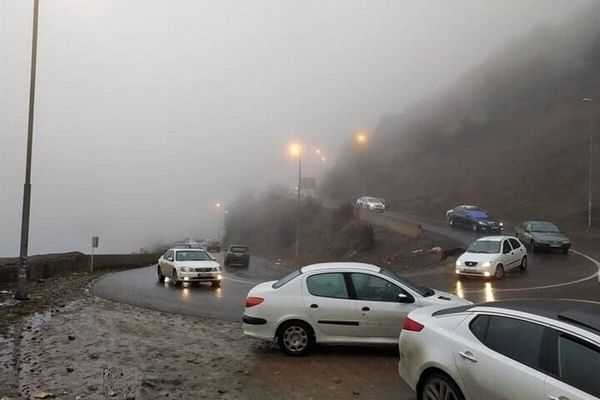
(404, 298)
(212, 258)
(170, 259)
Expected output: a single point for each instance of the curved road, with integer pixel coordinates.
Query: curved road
(548, 275)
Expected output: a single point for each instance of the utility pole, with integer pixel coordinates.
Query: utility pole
(21, 293)
(590, 159)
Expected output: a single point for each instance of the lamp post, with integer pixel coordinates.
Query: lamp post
(589, 101)
(296, 151)
(21, 293)
(361, 138)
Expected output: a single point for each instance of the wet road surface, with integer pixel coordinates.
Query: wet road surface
(551, 275)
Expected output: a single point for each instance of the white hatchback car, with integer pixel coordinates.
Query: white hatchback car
(343, 303)
(189, 265)
(492, 256)
(507, 350)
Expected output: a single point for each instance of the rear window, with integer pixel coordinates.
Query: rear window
(239, 249)
(286, 279)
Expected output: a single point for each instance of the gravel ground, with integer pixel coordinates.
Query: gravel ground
(96, 349)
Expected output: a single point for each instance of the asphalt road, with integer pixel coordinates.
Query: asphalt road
(551, 275)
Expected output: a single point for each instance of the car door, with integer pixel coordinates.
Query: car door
(169, 261)
(518, 252)
(508, 258)
(573, 378)
(459, 217)
(380, 308)
(498, 358)
(327, 303)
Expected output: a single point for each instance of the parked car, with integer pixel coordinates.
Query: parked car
(542, 235)
(492, 256)
(237, 255)
(213, 246)
(370, 203)
(517, 350)
(350, 303)
(474, 218)
(189, 265)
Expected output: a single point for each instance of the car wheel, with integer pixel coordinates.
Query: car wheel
(175, 279)
(474, 227)
(161, 277)
(523, 266)
(440, 387)
(295, 338)
(565, 250)
(216, 284)
(451, 223)
(499, 274)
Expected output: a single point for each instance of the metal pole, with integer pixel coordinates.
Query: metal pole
(21, 293)
(590, 170)
(92, 260)
(298, 205)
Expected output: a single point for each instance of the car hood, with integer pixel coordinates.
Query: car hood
(446, 299)
(548, 237)
(194, 264)
(478, 257)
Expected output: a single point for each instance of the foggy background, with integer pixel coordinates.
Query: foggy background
(149, 112)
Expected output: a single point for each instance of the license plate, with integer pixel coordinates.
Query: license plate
(203, 275)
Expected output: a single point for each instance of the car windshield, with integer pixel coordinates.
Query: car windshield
(422, 290)
(239, 249)
(478, 214)
(192, 256)
(286, 279)
(544, 227)
(485, 246)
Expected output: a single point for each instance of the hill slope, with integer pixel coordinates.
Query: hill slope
(512, 135)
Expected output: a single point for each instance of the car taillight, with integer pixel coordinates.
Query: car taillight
(253, 301)
(412, 325)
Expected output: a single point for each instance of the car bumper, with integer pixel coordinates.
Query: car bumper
(199, 276)
(553, 246)
(238, 260)
(481, 272)
(258, 328)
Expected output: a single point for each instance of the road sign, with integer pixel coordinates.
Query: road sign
(94, 241)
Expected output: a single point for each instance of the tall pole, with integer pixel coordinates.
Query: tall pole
(21, 293)
(298, 205)
(590, 160)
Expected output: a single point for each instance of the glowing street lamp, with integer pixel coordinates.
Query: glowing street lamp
(361, 138)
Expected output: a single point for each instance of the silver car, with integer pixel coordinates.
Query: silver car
(540, 235)
(370, 203)
(507, 350)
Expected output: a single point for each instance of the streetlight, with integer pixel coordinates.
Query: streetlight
(21, 293)
(221, 219)
(362, 140)
(589, 101)
(295, 150)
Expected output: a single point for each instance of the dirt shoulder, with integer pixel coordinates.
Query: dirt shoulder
(96, 349)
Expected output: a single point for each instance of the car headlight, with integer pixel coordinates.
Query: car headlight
(487, 264)
(482, 223)
(458, 263)
(501, 223)
(217, 269)
(186, 269)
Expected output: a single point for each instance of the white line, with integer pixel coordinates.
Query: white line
(597, 274)
(240, 281)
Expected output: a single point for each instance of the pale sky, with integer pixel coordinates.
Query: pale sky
(148, 111)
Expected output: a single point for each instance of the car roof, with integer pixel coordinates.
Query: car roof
(580, 313)
(340, 265)
(186, 249)
(238, 245)
(496, 238)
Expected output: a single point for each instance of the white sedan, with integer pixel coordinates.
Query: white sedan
(508, 350)
(492, 256)
(370, 203)
(335, 303)
(189, 265)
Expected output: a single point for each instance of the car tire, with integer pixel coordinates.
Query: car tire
(161, 277)
(216, 284)
(174, 279)
(451, 223)
(435, 384)
(565, 250)
(523, 266)
(499, 273)
(474, 227)
(295, 338)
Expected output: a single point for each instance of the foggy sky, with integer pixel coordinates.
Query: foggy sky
(148, 112)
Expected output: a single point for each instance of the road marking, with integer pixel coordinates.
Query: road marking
(587, 278)
(241, 281)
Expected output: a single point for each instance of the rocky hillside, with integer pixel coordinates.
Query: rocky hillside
(512, 135)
